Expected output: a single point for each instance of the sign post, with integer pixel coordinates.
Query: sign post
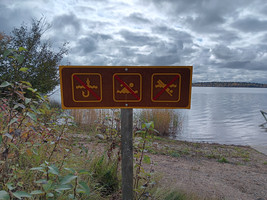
(126, 87)
(127, 153)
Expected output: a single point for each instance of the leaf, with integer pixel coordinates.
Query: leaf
(20, 59)
(22, 49)
(1, 139)
(8, 135)
(68, 179)
(41, 181)
(4, 195)
(32, 90)
(12, 121)
(84, 172)
(147, 159)
(84, 187)
(5, 84)
(27, 100)
(140, 132)
(63, 188)
(48, 186)
(53, 170)
(70, 169)
(10, 187)
(32, 116)
(21, 194)
(19, 105)
(50, 194)
(27, 83)
(37, 192)
(23, 69)
(149, 125)
(7, 52)
(41, 169)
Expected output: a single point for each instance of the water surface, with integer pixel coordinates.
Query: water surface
(226, 116)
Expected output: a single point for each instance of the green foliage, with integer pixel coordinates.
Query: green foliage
(25, 56)
(105, 173)
(56, 185)
(223, 160)
(174, 195)
(143, 180)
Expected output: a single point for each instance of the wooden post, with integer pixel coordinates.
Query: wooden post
(127, 153)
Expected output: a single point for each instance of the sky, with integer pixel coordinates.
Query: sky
(223, 40)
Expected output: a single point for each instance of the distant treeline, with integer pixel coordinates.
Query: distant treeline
(229, 84)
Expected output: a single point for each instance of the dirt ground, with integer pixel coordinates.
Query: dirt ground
(242, 175)
(210, 171)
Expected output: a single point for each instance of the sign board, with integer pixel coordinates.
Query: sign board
(125, 86)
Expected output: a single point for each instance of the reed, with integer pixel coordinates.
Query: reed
(166, 121)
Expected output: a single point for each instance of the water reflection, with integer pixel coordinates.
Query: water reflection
(225, 115)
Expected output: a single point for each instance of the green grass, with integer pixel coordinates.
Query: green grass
(223, 160)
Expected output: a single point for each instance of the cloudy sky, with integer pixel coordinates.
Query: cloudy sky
(225, 40)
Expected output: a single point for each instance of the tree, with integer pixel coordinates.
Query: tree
(36, 61)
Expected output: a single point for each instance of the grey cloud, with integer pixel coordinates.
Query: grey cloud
(223, 52)
(13, 17)
(250, 24)
(85, 46)
(226, 37)
(245, 65)
(206, 23)
(66, 21)
(84, 9)
(235, 54)
(100, 36)
(173, 34)
(158, 60)
(137, 18)
(136, 38)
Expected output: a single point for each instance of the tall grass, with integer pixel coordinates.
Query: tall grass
(166, 120)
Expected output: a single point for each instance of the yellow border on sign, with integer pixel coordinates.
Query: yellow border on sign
(129, 106)
(140, 89)
(100, 86)
(165, 74)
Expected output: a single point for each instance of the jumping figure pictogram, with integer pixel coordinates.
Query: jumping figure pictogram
(160, 84)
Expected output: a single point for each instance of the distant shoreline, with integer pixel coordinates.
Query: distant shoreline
(229, 84)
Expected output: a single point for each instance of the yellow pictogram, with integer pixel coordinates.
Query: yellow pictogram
(124, 90)
(160, 84)
(86, 87)
(86, 93)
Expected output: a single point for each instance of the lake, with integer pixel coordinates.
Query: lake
(225, 115)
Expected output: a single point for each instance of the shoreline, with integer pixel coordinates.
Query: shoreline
(201, 170)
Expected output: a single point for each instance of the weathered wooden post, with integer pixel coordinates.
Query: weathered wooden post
(127, 153)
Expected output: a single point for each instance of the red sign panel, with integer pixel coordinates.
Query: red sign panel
(125, 86)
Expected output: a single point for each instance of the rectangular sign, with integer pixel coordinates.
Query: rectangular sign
(125, 86)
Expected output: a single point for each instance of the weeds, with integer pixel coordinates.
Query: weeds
(223, 160)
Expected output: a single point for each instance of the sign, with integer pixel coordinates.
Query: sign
(125, 86)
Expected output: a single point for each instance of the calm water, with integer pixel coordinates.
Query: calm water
(225, 115)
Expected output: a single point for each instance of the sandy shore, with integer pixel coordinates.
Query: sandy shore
(210, 171)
